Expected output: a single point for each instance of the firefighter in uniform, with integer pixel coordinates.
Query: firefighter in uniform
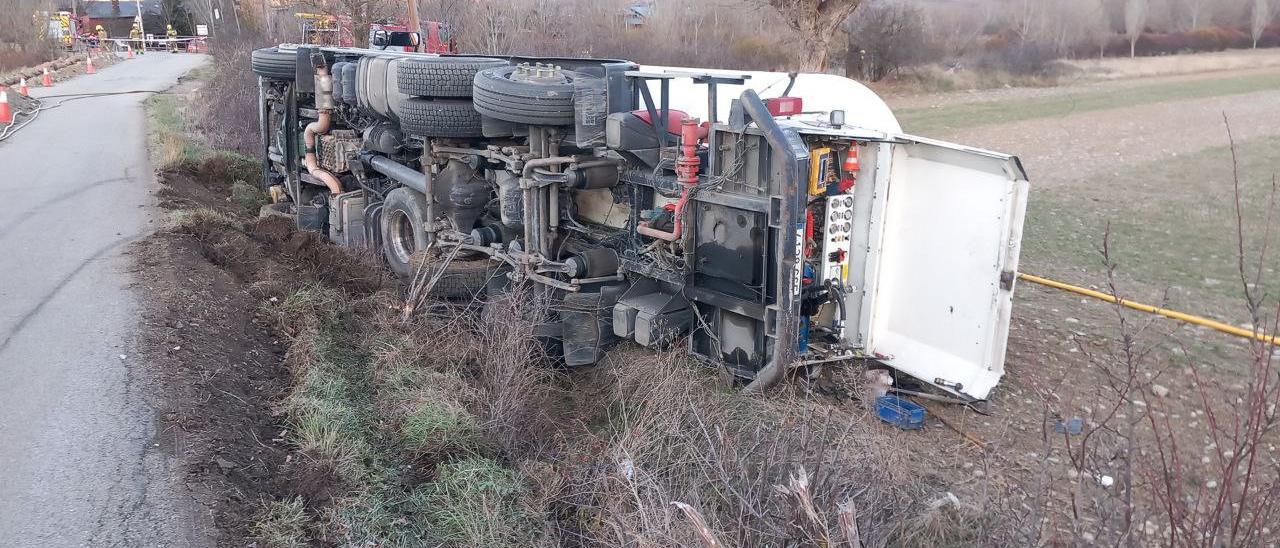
(171, 35)
(135, 38)
(103, 41)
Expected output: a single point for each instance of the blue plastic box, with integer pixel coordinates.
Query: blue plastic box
(904, 414)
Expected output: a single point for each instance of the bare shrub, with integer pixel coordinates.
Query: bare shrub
(1133, 475)
(227, 115)
(1232, 501)
(23, 43)
(755, 473)
(886, 37)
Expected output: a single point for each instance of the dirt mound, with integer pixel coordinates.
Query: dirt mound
(220, 371)
(62, 68)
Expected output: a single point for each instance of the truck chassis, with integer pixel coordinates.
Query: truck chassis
(758, 239)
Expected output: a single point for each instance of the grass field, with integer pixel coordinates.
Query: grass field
(1173, 223)
(926, 120)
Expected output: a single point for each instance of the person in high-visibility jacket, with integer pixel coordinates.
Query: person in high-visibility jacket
(171, 35)
(103, 41)
(135, 37)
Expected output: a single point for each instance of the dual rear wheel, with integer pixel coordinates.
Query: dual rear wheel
(405, 244)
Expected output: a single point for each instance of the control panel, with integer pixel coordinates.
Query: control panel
(837, 233)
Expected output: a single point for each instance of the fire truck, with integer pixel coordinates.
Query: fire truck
(328, 30)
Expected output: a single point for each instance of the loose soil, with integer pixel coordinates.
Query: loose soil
(220, 370)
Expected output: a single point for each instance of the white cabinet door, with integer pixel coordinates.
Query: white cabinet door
(942, 263)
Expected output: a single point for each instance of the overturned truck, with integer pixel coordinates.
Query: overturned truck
(769, 221)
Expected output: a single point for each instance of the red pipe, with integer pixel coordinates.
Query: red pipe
(687, 166)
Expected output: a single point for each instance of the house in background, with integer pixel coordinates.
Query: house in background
(117, 16)
(637, 14)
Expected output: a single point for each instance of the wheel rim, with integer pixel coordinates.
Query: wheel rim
(403, 244)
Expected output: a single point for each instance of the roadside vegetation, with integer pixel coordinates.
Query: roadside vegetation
(21, 44)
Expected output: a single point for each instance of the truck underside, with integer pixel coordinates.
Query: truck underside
(765, 238)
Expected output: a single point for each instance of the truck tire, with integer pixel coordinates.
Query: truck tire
(439, 118)
(463, 280)
(442, 76)
(403, 215)
(507, 94)
(274, 63)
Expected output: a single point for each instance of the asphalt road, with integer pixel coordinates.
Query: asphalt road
(78, 463)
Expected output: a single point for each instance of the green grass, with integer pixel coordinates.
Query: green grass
(169, 142)
(479, 502)
(1173, 227)
(437, 426)
(247, 196)
(362, 404)
(932, 120)
(283, 524)
(173, 145)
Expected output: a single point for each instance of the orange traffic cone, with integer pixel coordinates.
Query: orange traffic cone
(6, 115)
(88, 68)
(46, 80)
(22, 88)
(131, 52)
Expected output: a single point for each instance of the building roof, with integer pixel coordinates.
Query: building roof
(640, 10)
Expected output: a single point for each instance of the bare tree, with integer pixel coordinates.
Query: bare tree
(1260, 15)
(816, 22)
(1195, 12)
(200, 11)
(363, 13)
(884, 38)
(1135, 18)
(1099, 32)
(495, 28)
(454, 13)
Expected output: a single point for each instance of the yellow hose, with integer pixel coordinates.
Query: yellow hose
(1181, 316)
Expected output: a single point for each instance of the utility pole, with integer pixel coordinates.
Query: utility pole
(141, 28)
(414, 24)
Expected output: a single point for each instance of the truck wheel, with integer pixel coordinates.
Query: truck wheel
(517, 94)
(403, 213)
(439, 118)
(442, 76)
(275, 63)
(463, 280)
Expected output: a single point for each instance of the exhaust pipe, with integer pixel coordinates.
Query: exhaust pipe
(324, 104)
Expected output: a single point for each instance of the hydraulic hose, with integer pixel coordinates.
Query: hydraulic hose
(1172, 314)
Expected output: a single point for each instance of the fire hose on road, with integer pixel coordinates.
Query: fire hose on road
(12, 128)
